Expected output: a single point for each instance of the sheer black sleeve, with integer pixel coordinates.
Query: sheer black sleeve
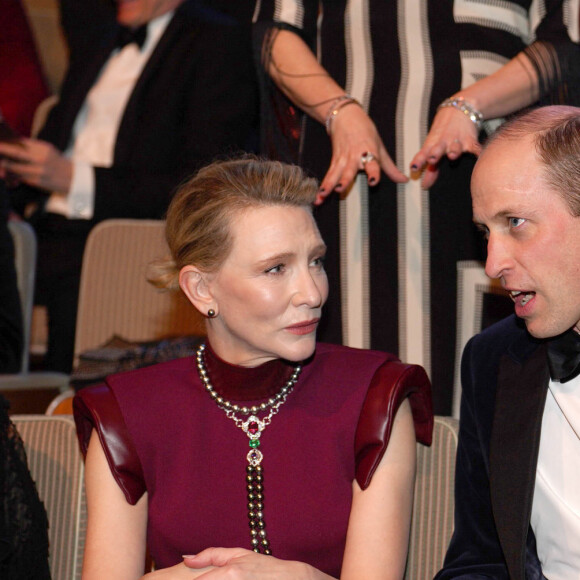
(281, 122)
(557, 64)
(23, 521)
(555, 57)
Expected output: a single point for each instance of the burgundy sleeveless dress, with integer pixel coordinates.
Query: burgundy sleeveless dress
(162, 433)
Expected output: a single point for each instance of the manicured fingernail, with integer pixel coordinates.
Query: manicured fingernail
(190, 556)
(414, 167)
(338, 185)
(372, 180)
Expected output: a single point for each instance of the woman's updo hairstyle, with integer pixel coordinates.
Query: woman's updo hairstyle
(198, 220)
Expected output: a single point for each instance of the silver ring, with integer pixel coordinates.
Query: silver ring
(367, 158)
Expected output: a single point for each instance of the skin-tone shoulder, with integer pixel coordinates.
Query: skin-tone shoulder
(274, 270)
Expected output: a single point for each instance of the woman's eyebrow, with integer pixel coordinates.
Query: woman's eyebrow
(282, 257)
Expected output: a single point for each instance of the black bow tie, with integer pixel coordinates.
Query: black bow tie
(564, 356)
(129, 35)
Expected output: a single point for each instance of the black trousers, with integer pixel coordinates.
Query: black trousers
(61, 243)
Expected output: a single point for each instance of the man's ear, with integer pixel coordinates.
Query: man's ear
(194, 284)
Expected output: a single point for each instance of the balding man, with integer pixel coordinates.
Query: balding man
(518, 463)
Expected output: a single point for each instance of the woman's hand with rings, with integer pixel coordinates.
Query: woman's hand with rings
(356, 146)
(452, 133)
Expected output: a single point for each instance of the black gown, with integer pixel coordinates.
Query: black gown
(23, 521)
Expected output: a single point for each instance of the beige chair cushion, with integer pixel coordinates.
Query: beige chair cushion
(115, 297)
(434, 503)
(56, 465)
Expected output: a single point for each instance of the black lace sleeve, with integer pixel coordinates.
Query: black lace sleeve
(557, 64)
(280, 120)
(23, 521)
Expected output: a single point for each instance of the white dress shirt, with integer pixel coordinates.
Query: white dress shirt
(556, 505)
(95, 129)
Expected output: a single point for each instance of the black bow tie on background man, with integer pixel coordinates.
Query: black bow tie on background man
(564, 356)
(128, 35)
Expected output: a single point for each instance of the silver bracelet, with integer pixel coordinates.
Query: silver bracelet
(338, 104)
(459, 103)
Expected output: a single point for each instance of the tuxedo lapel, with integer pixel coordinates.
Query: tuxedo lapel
(520, 398)
(79, 83)
(173, 40)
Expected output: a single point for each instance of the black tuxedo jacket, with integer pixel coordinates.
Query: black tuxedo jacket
(505, 380)
(195, 98)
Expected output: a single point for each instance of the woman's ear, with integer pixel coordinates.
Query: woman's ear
(194, 284)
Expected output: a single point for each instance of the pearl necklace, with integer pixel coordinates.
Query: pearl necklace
(252, 427)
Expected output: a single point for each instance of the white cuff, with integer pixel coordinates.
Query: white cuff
(81, 196)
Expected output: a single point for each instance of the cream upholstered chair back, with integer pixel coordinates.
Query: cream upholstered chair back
(434, 503)
(115, 297)
(57, 467)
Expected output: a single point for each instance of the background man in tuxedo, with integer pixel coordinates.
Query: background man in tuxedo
(518, 462)
(133, 120)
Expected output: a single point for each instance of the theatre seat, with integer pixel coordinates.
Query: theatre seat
(57, 467)
(115, 297)
(433, 505)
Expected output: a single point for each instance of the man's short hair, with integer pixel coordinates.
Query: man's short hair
(555, 133)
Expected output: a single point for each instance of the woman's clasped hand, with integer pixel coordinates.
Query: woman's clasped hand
(236, 564)
(244, 564)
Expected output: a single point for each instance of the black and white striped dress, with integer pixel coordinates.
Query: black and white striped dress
(393, 248)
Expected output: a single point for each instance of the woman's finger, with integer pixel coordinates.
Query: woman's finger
(332, 179)
(389, 167)
(473, 146)
(430, 176)
(214, 557)
(454, 149)
(370, 165)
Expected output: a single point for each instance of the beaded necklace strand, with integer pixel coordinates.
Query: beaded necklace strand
(252, 427)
